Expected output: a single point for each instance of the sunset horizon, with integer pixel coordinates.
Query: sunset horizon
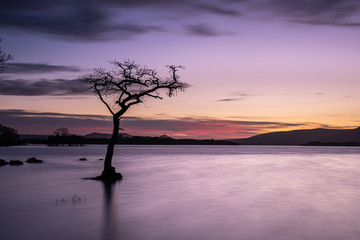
(253, 66)
(187, 128)
(215, 119)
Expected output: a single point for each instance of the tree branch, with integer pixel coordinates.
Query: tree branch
(129, 84)
(102, 99)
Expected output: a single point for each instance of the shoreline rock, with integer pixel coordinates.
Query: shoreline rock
(34, 160)
(3, 162)
(15, 162)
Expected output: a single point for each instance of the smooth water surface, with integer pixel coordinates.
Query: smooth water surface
(183, 192)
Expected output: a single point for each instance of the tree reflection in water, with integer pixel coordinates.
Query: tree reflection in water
(111, 226)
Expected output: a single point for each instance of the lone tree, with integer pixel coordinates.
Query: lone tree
(126, 85)
(4, 57)
(61, 131)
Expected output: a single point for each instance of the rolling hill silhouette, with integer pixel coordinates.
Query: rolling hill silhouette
(318, 136)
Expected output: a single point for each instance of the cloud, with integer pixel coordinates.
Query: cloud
(96, 20)
(238, 97)
(335, 8)
(228, 99)
(214, 9)
(329, 22)
(199, 127)
(30, 122)
(30, 68)
(342, 13)
(202, 30)
(58, 87)
(24, 113)
(69, 20)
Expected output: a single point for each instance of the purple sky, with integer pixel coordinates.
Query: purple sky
(253, 66)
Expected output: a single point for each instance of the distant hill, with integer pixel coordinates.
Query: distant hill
(318, 136)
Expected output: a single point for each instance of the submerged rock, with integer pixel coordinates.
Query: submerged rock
(3, 162)
(15, 162)
(34, 160)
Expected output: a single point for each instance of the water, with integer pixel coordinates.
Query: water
(182, 192)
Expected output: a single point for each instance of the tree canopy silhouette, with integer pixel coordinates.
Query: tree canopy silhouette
(126, 85)
(61, 131)
(4, 57)
(8, 136)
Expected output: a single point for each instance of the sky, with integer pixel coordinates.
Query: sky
(253, 66)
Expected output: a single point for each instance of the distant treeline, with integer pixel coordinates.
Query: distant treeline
(8, 136)
(75, 140)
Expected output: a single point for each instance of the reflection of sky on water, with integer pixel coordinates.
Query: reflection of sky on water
(184, 192)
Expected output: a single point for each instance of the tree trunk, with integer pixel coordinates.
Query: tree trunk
(109, 173)
(111, 144)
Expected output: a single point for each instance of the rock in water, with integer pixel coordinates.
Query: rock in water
(34, 160)
(3, 162)
(15, 162)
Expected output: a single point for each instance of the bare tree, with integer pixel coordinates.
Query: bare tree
(126, 85)
(61, 131)
(4, 57)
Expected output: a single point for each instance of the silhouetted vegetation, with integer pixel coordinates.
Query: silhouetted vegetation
(126, 85)
(95, 138)
(70, 140)
(63, 137)
(33, 139)
(8, 136)
(61, 131)
(4, 57)
(140, 140)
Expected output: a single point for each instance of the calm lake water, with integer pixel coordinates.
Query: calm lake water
(183, 192)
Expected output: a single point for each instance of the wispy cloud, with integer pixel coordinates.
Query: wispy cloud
(328, 22)
(311, 8)
(203, 30)
(30, 68)
(57, 87)
(342, 13)
(219, 10)
(31, 122)
(69, 20)
(235, 96)
(95, 20)
(228, 99)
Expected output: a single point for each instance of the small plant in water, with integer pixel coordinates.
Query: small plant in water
(75, 199)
